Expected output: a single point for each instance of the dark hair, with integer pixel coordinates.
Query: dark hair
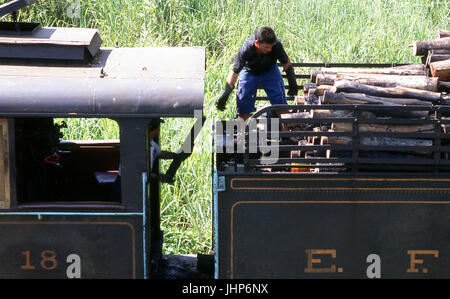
(265, 35)
(155, 123)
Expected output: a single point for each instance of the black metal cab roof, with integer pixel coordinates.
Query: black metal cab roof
(118, 82)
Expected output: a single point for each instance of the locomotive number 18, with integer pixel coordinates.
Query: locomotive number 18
(48, 261)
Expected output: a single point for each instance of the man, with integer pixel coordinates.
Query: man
(156, 153)
(256, 64)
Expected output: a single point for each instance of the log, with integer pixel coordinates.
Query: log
(312, 139)
(312, 99)
(362, 98)
(385, 101)
(338, 98)
(421, 48)
(444, 86)
(299, 100)
(408, 69)
(324, 79)
(331, 113)
(295, 115)
(417, 82)
(400, 71)
(351, 86)
(438, 57)
(441, 51)
(299, 153)
(381, 141)
(312, 91)
(414, 66)
(307, 86)
(443, 33)
(440, 69)
(346, 127)
(433, 56)
(339, 114)
(320, 90)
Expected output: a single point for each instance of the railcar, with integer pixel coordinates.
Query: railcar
(333, 210)
(91, 208)
(84, 208)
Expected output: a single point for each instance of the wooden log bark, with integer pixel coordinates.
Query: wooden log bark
(381, 141)
(299, 100)
(443, 33)
(417, 82)
(408, 69)
(352, 86)
(293, 116)
(324, 79)
(347, 127)
(300, 153)
(338, 98)
(444, 86)
(307, 86)
(414, 66)
(320, 90)
(421, 48)
(400, 71)
(339, 114)
(441, 51)
(438, 57)
(312, 139)
(354, 98)
(362, 98)
(440, 69)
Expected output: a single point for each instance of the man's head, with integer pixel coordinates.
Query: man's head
(265, 38)
(154, 127)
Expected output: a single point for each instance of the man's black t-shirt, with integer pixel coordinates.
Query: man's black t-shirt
(258, 64)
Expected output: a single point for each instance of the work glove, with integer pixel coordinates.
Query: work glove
(222, 101)
(293, 87)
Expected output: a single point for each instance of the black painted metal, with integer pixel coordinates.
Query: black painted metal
(14, 5)
(119, 83)
(18, 28)
(281, 225)
(46, 247)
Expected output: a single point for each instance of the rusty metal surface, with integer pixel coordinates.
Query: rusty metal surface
(120, 81)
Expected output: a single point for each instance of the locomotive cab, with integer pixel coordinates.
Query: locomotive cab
(84, 208)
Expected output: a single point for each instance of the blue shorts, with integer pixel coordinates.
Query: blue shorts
(271, 81)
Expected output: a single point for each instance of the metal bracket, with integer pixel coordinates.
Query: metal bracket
(221, 184)
(189, 142)
(14, 5)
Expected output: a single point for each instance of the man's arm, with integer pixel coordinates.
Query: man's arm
(232, 78)
(286, 65)
(231, 81)
(167, 155)
(292, 80)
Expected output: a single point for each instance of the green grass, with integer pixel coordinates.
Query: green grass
(312, 31)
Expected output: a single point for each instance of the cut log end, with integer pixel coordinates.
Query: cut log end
(417, 49)
(440, 69)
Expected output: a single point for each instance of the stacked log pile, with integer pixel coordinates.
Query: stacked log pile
(422, 85)
(436, 57)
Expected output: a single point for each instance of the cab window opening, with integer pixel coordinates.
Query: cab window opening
(67, 160)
